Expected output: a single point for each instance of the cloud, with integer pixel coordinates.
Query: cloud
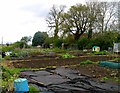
(38, 10)
(20, 18)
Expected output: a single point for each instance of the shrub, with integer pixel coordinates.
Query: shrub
(48, 40)
(7, 48)
(82, 43)
(13, 54)
(90, 44)
(58, 42)
(7, 57)
(8, 77)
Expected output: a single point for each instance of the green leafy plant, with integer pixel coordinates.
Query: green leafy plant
(33, 89)
(23, 54)
(7, 57)
(116, 59)
(86, 62)
(101, 53)
(67, 55)
(7, 48)
(104, 78)
(0, 57)
(8, 77)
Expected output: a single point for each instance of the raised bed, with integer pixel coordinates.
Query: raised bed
(37, 63)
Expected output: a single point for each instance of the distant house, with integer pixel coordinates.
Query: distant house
(116, 47)
(96, 48)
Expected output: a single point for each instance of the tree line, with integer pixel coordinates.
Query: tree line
(79, 19)
(93, 23)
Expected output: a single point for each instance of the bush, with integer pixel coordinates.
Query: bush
(90, 44)
(23, 54)
(8, 77)
(82, 43)
(14, 54)
(7, 57)
(7, 48)
(58, 42)
(106, 39)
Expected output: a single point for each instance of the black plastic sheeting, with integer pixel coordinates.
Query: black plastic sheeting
(66, 80)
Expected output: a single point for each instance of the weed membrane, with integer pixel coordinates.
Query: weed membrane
(66, 80)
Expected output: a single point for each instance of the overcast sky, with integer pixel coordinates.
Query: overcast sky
(20, 18)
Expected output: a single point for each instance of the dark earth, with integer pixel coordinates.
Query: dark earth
(66, 75)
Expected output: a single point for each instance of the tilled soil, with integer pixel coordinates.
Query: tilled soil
(96, 72)
(42, 62)
(93, 71)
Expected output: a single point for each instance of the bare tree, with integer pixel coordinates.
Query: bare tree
(106, 13)
(93, 13)
(54, 19)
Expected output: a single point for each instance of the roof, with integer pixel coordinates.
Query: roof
(95, 46)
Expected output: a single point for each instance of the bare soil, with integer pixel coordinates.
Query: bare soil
(99, 73)
(93, 70)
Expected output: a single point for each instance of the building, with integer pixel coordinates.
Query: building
(96, 48)
(116, 47)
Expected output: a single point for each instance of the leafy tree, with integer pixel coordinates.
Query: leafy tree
(39, 38)
(106, 39)
(16, 44)
(76, 20)
(54, 19)
(24, 41)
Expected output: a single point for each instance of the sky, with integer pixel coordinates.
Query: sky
(19, 18)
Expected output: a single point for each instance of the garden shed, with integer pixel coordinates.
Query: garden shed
(116, 47)
(96, 48)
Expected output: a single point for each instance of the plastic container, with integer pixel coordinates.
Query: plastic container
(21, 85)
